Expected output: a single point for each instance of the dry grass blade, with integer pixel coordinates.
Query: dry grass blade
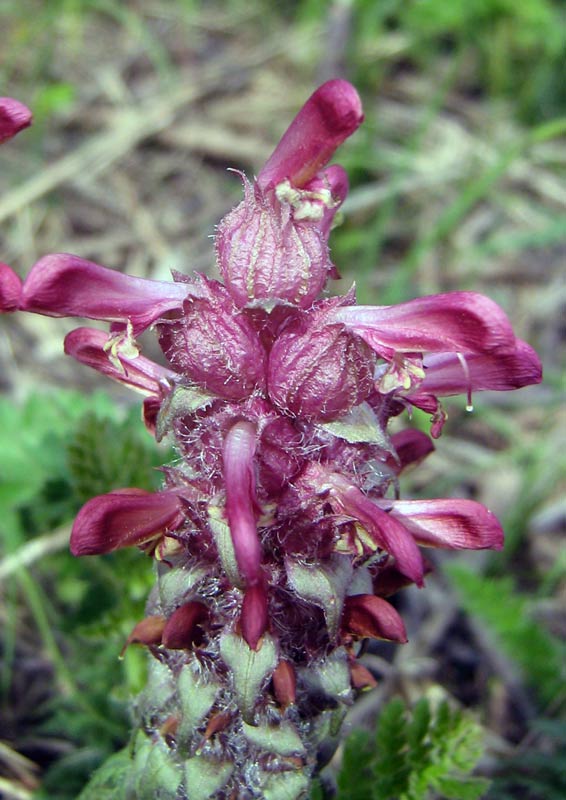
(129, 128)
(35, 550)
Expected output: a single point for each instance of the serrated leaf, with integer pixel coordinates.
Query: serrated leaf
(110, 780)
(431, 750)
(356, 762)
(507, 613)
(105, 455)
(462, 788)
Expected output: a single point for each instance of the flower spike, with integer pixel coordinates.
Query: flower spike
(279, 529)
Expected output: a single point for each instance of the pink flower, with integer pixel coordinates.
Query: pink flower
(458, 322)
(14, 117)
(124, 518)
(10, 288)
(273, 246)
(241, 503)
(328, 118)
(68, 286)
(118, 358)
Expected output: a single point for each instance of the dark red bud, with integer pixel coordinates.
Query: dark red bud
(362, 679)
(148, 632)
(253, 619)
(284, 684)
(182, 628)
(217, 722)
(367, 616)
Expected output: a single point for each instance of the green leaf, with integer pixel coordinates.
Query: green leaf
(356, 762)
(428, 751)
(105, 455)
(508, 614)
(109, 781)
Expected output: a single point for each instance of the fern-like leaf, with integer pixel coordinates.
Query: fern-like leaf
(428, 752)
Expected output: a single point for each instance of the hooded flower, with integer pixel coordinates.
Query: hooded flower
(14, 117)
(10, 288)
(273, 246)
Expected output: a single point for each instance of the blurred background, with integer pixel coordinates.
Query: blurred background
(457, 182)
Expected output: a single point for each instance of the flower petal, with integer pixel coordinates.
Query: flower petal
(411, 447)
(253, 619)
(387, 532)
(90, 347)
(10, 288)
(454, 524)
(463, 322)
(447, 374)
(68, 286)
(181, 630)
(328, 117)
(238, 454)
(124, 518)
(367, 616)
(14, 117)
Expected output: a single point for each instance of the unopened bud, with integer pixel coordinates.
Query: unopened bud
(272, 248)
(319, 373)
(216, 348)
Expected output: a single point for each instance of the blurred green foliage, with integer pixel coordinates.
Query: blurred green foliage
(509, 616)
(503, 48)
(68, 448)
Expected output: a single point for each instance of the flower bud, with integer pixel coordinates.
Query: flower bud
(216, 348)
(273, 246)
(367, 616)
(182, 628)
(319, 374)
(265, 253)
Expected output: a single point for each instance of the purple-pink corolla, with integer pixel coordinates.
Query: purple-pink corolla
(278, 532)
(14, 117)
